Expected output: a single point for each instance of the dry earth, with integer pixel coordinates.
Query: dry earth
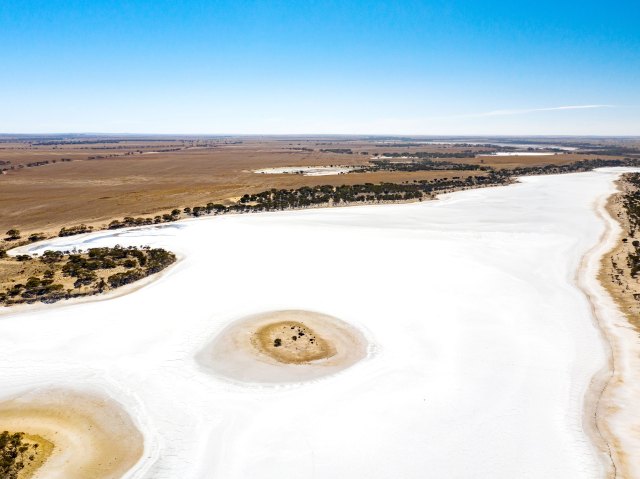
(291, 342)
(105, 181)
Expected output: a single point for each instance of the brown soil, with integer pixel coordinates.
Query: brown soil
(291, 342)
(81, 436)
(132, 178)
(40, 455)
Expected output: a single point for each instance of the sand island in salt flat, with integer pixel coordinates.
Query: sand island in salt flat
(283, 346)
(70, 435)
(291, 342)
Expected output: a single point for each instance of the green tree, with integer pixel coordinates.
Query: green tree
(13, 234)
(36, 237)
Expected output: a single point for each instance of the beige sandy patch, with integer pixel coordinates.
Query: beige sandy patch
(262, 348)
(82, 436)
(291, 342)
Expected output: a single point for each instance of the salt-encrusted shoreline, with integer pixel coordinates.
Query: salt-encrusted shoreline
(596, 401)
(612, 409)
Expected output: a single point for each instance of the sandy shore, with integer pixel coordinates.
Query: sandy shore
(82, 436)
(615, 419)
(244, 350)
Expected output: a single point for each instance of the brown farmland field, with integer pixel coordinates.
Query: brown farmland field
(98, 182)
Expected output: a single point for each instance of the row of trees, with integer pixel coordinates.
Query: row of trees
(14, 234)
(434, 154)
(75, 230)
(422, 165)
(342, 151)
(307, 196)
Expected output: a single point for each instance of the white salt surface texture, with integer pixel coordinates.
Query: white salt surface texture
(484, 346)
(307, 170)
(521, 153)
(513, 145)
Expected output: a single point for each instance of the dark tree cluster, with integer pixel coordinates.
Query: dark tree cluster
(75, 230)
(631, 204)
(88, 272)
(342, 151)
(15, 454)
(12, 235)
(435, 154)
(308, 196)
(422, 165)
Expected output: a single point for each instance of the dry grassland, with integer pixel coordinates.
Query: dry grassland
(137, 180)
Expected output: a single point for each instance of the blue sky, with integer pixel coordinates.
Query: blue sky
(404, 67)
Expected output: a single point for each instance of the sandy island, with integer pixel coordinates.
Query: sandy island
(283, 346)
(79, 436)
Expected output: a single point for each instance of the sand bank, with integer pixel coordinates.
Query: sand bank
(283, 346)
(82, 436)
(618, 391)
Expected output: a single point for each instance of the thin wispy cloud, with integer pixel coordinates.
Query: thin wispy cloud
(535, 110)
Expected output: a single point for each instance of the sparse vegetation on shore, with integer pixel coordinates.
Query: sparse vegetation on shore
(16, 453)
(631, 206)
(75, 230)
(621, 268)
(56, 275)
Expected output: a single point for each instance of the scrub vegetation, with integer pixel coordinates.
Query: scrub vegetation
(16, 453)
(621, 267)
(56, 275)
(631, 205)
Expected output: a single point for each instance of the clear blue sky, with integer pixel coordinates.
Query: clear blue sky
(403, 67)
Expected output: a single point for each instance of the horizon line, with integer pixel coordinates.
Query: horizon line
(425, 135)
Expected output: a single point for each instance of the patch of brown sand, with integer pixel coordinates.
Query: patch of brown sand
(83, 436)
(291, 342)
(246, 349)
(40, 454)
